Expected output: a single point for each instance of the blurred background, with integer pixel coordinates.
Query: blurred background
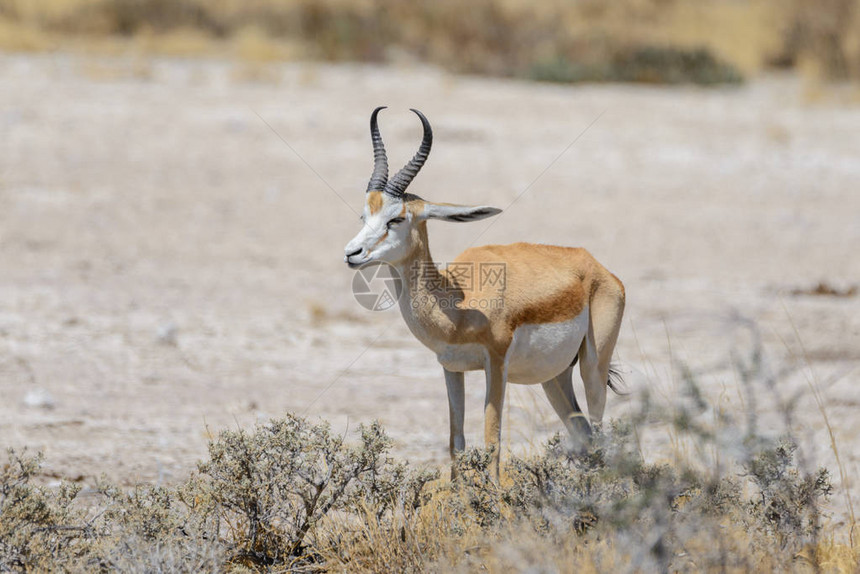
(178, 179)
(654, 41)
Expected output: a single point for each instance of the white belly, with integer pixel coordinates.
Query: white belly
(462, 358)
(540, 352)
(537, 352)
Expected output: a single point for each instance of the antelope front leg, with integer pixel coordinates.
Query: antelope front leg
(456, 411)
(493, 404)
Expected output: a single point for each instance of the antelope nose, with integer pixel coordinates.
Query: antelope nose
(356, 252)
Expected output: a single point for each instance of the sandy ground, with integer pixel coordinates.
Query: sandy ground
(169, 266)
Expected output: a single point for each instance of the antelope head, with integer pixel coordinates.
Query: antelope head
(394, 222)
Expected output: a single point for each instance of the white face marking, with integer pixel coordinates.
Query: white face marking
(384, 236)
(540, 352)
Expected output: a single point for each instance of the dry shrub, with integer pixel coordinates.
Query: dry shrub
(156, 529)
(40, 529)
(274, 487)
(148, 529)
(290, 495)
(653, 517)
(755, 506)
(259, 502)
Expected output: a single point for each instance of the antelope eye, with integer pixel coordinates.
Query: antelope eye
(394, 221)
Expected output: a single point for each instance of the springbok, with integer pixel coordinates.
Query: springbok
(524, 313)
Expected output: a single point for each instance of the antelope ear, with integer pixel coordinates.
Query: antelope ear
(457, 213)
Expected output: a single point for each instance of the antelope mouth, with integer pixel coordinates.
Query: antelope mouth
(356, 264)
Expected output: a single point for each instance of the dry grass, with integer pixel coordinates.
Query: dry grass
(553, 40)
(290, 496)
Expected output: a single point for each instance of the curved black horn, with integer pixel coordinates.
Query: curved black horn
(396, 186)
(379, 177)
